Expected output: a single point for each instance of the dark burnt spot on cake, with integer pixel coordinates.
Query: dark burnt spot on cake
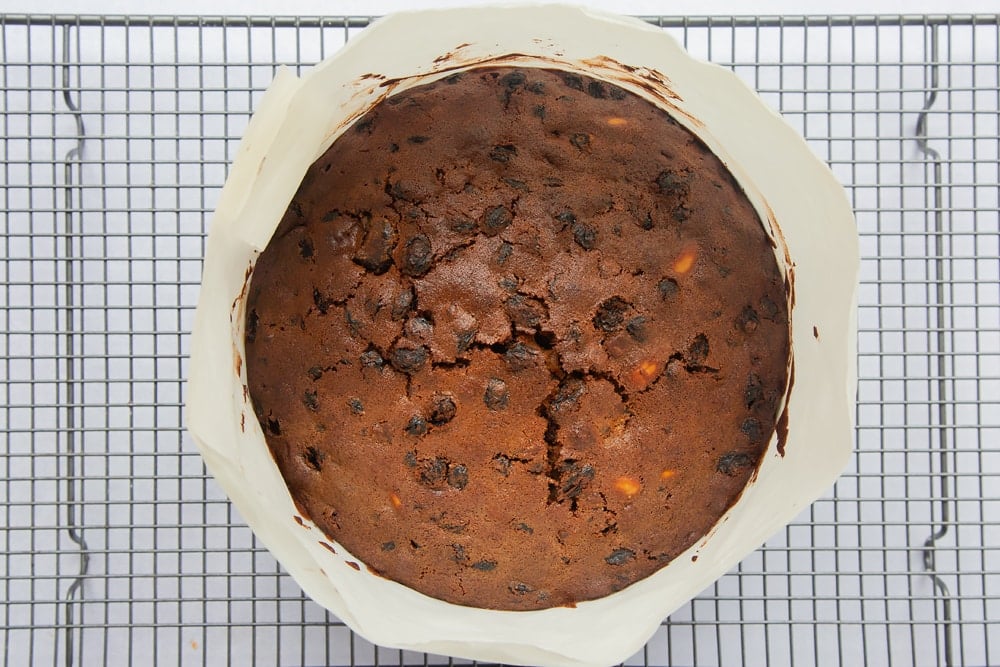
(443, 409)
(636, 328)
(751, 428)
(417, 256)
(495, 220)
(748, 320)
(503, 153)
(375, 253)
(486, 253)
(418, 139)
(485, 565)
(313, 458)
(306, 249)
(351, 564)
(416, 427)
(731, 463)
(311, 400)
(580, 140)
(328, 547)
(667, 288)
(620, 556)
(357, 407)
(496, 396)
(585, 235)
(409, 359)
(611, 314)
(458, 477)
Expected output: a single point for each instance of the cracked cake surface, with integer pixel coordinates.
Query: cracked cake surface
(519, 340)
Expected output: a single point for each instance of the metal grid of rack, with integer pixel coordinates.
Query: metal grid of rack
(117, 548)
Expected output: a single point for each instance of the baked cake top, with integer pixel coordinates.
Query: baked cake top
(519, 339)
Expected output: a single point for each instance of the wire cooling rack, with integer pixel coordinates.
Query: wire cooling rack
(117, 548)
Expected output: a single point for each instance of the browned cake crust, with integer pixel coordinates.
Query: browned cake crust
(519, 340)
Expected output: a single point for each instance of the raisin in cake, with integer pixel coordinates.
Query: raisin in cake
(519, 340)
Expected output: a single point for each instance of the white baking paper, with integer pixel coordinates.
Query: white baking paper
(795, 194)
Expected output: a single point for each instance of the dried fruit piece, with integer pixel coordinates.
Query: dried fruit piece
(409, 359)
(485, 565)
(417, 256)
(434, 472)
(375, 253)
(730, 463)
(519, 356)
(495, 220)
(575, 478)
(667, 288)
(503, 153)
(584, 235)
(611, 314)
(620, 557)
(458, 477)
(443, 409)
(417, 426)
(748, 320)
(525, 312)
(496, 396)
